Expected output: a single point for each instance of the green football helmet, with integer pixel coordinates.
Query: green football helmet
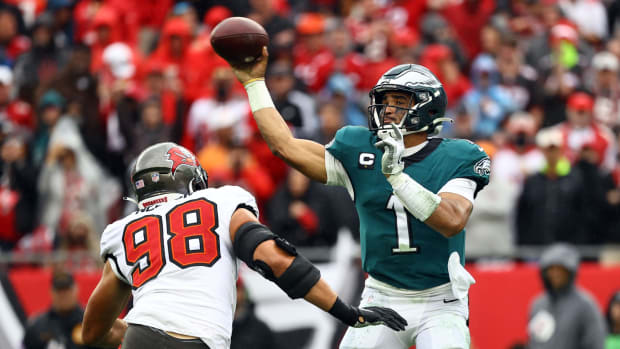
(427, 104)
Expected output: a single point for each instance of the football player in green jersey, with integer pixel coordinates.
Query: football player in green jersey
(413, 195)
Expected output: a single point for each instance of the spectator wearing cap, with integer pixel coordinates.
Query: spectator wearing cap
(487, 103)
(312, 58)
(297, 108)
(590, 17)
(50, 108)
(119, 94)
(551, 203)
(606, 89)
(60, 326)
(580, 130)
(599, 212)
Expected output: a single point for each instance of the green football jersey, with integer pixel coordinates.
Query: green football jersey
(397, 248)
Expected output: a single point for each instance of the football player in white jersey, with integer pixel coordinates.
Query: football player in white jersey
(178, 256)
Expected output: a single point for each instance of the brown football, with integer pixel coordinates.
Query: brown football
(239, 40)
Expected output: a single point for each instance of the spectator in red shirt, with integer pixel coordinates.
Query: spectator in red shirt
(14, 113)
(580, 130)
(312, 58)
(12, 44)
(440, 60)
(468, 17)
(106, 31)
(201, 58)
(173, 45)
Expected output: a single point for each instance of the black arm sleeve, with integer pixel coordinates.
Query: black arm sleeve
(297, 279)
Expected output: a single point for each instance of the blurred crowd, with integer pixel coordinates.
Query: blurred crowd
(86, 85)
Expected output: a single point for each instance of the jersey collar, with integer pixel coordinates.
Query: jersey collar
(159, 199)
(412, 150)
(427, 148)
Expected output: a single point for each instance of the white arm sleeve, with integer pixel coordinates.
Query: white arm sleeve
(463, 186)
(336, 174)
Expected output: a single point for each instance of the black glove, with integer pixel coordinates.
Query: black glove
(378, 315)
(368, 316)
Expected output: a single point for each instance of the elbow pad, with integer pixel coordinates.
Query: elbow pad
(297, 279)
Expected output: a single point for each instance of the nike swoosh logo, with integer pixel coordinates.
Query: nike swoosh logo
(450, 301)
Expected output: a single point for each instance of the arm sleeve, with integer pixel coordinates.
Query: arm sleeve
(463, 186)
(336, 173)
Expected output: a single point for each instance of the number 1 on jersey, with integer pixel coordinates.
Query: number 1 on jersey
(403, 230)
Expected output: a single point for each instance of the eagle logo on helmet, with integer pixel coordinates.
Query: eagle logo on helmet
(179, 157)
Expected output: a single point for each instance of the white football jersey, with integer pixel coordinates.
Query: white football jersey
(179, 260)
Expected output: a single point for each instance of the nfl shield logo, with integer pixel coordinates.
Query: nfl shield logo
(155, 177)
(140, 184)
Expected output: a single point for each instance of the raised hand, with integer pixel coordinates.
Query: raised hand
(256, 70)
(393, 146)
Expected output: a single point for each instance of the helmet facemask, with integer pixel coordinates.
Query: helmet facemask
(411, 121)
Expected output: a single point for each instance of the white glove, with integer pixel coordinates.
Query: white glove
(392, 144)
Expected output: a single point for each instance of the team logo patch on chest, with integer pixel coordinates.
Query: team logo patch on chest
(483, 167)
(366, 161)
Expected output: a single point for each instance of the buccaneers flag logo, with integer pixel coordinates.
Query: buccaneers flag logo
(180, 157)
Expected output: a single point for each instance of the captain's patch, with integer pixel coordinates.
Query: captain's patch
(366, 161)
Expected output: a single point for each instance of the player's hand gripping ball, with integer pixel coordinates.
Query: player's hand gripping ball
(239, 40)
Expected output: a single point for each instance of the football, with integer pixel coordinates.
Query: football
(239, 40)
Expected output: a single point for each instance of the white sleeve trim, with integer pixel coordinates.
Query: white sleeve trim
(336, 174)
(462, 186)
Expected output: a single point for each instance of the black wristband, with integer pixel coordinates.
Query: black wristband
(344, 312)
